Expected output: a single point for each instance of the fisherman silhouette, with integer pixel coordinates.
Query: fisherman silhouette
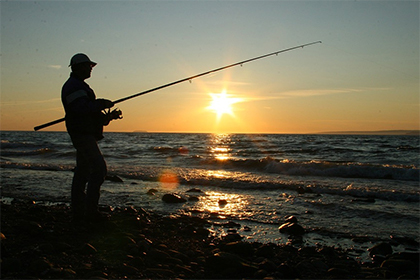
(84, 122)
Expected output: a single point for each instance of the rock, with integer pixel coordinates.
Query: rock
(338, 273)
(399, 264)
(223, 260)
(414, 257)
(303, 190)
(160, 273)
(328, 252)
(158, 255)
(291, 219)
(239, 247)
(173, 198)
(128, 269)
(114, 178)
(62, 246)
(87, 249)
(10, 265)
(364, 200)
(267, 265)
(232, 237)
(300, 190)
(382, 249)
(295, 240)
(69, 273)
(247, 228)
(222, 202)
(46, 248)
(405, 240)
(175, 254)
(193, 198)
(305, 268)
(266, 251)
(260, 274)
(292, 229)
(152, 191)
(197, 190)
(308, 251)
(231, 224)
(39, 266)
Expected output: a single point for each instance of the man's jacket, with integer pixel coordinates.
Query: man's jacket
(83, 111)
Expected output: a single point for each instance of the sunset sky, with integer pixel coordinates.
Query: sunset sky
(364, 76)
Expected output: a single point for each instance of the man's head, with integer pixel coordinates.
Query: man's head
(81, 65)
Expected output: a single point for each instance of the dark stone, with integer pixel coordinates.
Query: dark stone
(364, 200)
(300, 190)
(266, 251)
(267, 265)
(292, 229)
(338, 273)
(193, 199)
(158, 255)
(232, 237)
(405, 240)
(222, 202)
(414, 257)
(239, 247)
(9, 265)
(197, 190)
(290, 219)
(87, 249)
(152, 191)
(382, 249)
(173, 198)
(247, 228)
(303, 190)
(231, 224)
(223, 260)
(399, 264)
(114, 178)
(39, 266)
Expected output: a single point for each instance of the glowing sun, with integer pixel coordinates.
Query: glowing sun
(222, 104)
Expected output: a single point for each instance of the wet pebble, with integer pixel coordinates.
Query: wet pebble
(114, 178)
(173, 198)
(222, 202)
(196, 190)
(381, 249)
(193, 198)
(152, 191)
(292, 229)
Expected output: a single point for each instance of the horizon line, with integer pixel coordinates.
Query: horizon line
(362, 132)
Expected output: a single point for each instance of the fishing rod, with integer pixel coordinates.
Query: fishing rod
(185, 79)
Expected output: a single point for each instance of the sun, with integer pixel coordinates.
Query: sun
(222, 104)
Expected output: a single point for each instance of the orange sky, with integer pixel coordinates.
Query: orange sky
(364, 76)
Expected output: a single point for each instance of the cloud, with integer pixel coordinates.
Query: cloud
(54, 66)
(320, 92)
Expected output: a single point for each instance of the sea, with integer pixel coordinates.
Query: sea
(346, 191)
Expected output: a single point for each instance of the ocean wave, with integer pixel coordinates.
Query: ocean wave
(17, 153)
(238, 180)
(322, 168)
(35, 166)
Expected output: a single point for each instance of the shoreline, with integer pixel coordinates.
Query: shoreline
(40, 241)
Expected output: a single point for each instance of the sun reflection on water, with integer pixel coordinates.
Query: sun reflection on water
(220, 146)
(222, 204)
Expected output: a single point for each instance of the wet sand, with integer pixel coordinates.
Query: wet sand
(40, 241)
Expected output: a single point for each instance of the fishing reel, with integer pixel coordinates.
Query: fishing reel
(109, 115)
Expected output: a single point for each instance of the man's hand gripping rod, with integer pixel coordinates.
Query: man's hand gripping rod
(184, 80)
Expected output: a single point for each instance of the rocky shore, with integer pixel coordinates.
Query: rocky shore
(42, 242)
